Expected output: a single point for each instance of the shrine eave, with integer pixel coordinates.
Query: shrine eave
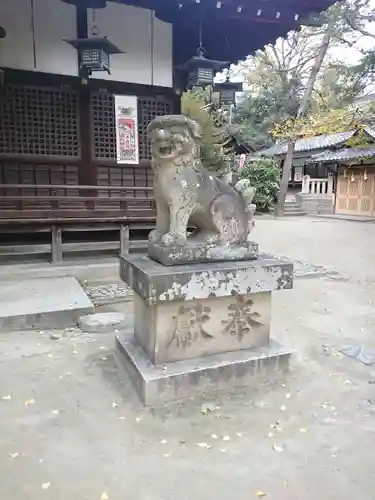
(231, 29)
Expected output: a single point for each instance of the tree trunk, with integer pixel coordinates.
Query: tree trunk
(304, 106)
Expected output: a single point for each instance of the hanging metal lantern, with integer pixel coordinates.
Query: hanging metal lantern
(201, 70)
(94, 53)
(227, 91)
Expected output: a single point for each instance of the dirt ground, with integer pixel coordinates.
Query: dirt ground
(73, 428)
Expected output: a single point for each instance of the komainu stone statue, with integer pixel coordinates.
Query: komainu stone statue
(188, 195)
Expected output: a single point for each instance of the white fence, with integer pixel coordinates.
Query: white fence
(317, 186)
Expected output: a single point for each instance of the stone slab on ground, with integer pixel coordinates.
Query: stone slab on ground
(42, 303)
(104, 322)
(157, 385)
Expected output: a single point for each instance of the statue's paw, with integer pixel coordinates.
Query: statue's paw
(214, 239)
(154, 235)
(170, 239)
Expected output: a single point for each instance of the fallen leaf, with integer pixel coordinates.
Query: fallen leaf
(260, 494)
(104, 358)
(104, 496)
(8, 397)
(277, 448)
(75, 352)
(167, 455)
(223, 450)
(41, 460)
(288, 396)
(45, 486)
(121, 418)
(226, 438)
(271, 434)
(114, 405)
(303, 430)
(204, 445)
(163, 441)
(207, 408)
(239, 434)
(138, 419)
(55, 412)
(214, 436)
(283, 408)
(30, 402)
(14, 455)
(102, 348)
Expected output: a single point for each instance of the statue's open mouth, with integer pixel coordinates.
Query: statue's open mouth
(165, 150)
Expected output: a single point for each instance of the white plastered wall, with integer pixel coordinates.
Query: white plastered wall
(35, 29)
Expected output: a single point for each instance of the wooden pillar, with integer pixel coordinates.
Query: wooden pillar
(86, 168)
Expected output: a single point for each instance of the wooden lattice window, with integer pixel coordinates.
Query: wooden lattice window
(104, 128)
(148, 109)
(39, 121)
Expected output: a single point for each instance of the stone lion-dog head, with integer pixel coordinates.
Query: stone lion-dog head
(173, 137)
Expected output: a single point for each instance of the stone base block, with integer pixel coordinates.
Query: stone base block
(223, 372)
(171, 255)
(176, 330)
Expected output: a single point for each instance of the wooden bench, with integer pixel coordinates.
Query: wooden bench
(24, 213)
(57, 247)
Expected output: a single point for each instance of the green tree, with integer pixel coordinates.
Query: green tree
(276, 77)
(264, 175)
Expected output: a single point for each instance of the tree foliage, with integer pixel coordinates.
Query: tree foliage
(276, 76)
(196, 104)
(264, 175)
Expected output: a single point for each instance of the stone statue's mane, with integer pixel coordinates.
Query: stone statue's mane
(187, 129)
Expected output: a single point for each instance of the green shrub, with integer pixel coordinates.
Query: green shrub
(264, 175)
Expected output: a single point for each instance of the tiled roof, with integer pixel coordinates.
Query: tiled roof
(346, 154)
(318, 142)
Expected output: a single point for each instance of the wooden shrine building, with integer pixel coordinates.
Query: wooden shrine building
(58, 156)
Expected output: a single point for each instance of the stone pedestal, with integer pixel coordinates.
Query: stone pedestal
(200, 327)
